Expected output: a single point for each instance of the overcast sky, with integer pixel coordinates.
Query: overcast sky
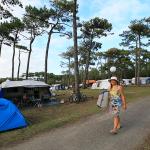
(117, 12)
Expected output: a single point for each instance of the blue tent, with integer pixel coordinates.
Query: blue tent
(10, 116)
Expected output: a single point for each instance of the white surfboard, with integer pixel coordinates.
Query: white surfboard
(103, 99)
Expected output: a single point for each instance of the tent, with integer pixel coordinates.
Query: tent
(57, 87)
(127, 81)
(143, 80)
(23, 92)
(23, 83)
(10, 116)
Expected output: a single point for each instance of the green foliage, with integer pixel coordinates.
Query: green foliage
(138, 27)
(121, 59)
(5, 38)
(21, 47)
(68, 53)
(145, 63)
(6, 28)
(4, 13)
(31, 20)
(128, 39)
(16, 25)
(94, 74)
(11, 2)
(95, 28)
(90, 31)
(64, 5)
(52, 17)
(138, 30)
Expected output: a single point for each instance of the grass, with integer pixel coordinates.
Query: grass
(46, 118)
(134, 93)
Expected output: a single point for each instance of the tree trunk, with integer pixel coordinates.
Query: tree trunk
(76, 68)
(86, 69)
(29, 55)
(121, 73)
(46, 56)
(47, 50)
(108, 65)
(18, 66)
(146, 69)
(1, 42)
(87, 63)
(13, 57)
(82, 74)
(69, 73)
(139, 61)
(136, 65)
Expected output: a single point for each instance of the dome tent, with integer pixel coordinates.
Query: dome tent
(11, 117)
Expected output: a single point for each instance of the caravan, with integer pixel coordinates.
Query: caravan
(143, 80)
(101, 84)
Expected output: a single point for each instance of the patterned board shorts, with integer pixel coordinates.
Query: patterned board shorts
(115, 106)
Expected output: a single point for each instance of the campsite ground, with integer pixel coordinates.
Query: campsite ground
(50, 117)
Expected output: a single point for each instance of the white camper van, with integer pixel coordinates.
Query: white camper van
(101, 84)
(143, 80)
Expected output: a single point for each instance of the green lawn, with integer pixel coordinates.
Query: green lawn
(46, 118)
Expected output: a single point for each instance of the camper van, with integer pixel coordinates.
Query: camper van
(143, 80)
(101, 84)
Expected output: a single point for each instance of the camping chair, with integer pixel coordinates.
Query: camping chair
(36, 102)
(45, 98)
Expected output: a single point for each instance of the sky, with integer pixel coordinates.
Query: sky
(118, 12)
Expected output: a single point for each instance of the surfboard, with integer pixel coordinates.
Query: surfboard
(103, 99)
